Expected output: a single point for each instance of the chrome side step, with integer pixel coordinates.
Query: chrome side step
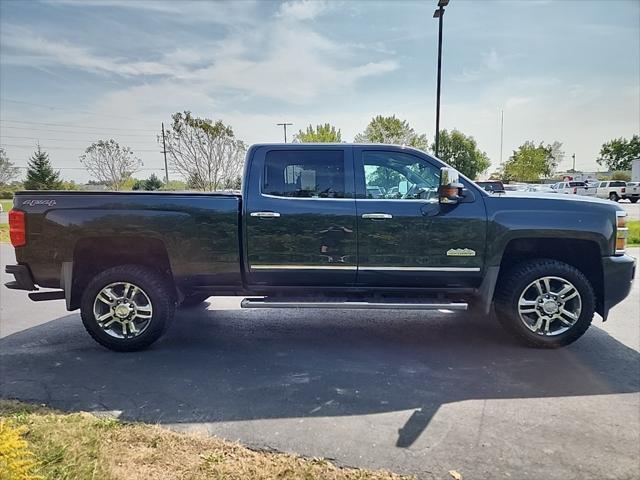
(350, 305)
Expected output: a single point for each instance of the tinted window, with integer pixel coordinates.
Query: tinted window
(618, 184)
(304, 173)
(396, 175)
(576, 184)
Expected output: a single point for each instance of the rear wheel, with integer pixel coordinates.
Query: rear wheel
(545, 303)
(634, 200)
(127, 308)
(613, 196)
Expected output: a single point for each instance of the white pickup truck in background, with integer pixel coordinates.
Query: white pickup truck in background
(614, 190)
(633, 191)
(575, 188)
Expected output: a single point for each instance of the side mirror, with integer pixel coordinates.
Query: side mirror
(450, 186)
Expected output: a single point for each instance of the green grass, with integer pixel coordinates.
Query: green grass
(6, 205)
(70, 446)
(4, 233)
(634, 232)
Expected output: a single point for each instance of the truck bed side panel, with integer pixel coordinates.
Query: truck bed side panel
(200, 232)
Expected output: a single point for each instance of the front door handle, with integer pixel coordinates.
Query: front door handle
(265, 214)
(377, 216)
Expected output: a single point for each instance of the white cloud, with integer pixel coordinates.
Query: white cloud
(302, 9)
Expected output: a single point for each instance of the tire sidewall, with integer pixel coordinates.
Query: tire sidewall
(151, 283)
(507, 308)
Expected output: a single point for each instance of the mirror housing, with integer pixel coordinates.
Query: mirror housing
(450, 188)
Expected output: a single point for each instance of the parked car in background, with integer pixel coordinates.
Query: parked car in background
(574, 188)
(515, 187)
(545, 188)
(633, 191)
(492, 186)
(613, 190)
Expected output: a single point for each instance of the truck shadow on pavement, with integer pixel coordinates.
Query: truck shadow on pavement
(230, 365)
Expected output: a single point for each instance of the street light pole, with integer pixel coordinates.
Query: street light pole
(284, 125)
(439, 14)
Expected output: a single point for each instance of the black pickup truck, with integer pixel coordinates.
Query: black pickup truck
(325, 226)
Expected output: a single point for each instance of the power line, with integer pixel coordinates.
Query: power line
(75, 131)
(76, 126)
(37, 139)
(69, 148)
(50, 107)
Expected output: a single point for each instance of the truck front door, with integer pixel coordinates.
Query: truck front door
(405, 237)
(300, 217)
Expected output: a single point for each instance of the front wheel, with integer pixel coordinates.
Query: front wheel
(545, 303)
(127, 308)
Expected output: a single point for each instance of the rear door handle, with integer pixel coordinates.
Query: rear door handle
(265, 214)
(377, 216)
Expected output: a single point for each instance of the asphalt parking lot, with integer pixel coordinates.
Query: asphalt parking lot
(410, 392)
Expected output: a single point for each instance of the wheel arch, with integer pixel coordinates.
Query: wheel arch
(585, 255)
(93, 255)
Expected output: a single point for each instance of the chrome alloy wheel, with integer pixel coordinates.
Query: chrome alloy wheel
(550, 306)
(122, 310)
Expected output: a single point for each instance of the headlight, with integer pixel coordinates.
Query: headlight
(621, 232)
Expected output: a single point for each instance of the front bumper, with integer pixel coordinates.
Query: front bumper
(618, 272)
(23, 278)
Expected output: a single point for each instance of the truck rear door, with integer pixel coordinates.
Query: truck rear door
(300, 216)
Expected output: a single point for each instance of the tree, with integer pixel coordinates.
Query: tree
(110, 163)
(207, 154)
(8, 171)
(624, 176)
(529, 163)
(618, 153)
(150, 184)
(326, 133)
(462, 153)
(391, 130)
(40, 173)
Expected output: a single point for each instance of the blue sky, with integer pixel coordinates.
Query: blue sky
(72, 72)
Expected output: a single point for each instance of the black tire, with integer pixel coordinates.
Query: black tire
(512, 285)
(613, 196)
(633, 200)
(156, 288)
(193, 300)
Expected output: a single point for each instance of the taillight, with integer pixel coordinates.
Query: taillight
(575, 190)
(623, 190)
(17, 228)
(621, 231)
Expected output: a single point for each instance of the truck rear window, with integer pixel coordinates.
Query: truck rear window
(304, 173)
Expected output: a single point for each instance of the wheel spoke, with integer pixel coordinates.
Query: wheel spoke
(569, 297)
(104, 317)
(114, 319)
(536, 326)
(132, 327)
(547, 284)
(566, 289)
(569, 314)
(539, 287)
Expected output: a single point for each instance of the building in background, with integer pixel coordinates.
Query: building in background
(635, 170)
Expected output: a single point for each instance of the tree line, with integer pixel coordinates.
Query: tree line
(209, 157)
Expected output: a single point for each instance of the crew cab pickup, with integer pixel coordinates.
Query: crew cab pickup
(632, 191)
(308, 231)
(574, 188)
(614, 190)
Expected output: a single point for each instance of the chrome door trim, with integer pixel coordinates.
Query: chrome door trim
(377, 216)
(303, 267)
(420, 269)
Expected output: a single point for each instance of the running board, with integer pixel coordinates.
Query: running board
(350, 305)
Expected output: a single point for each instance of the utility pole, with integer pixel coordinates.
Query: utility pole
(164, 151)
(574, 162)
(284, 125)
(439, 14)
(501, 133)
